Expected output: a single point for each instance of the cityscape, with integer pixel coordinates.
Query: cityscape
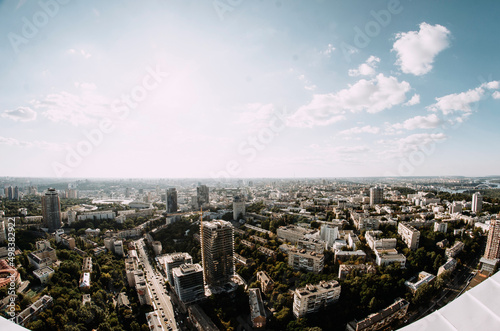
(249, 165)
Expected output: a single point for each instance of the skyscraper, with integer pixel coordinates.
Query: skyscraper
(202, 195)
(376, 196)
(477, 202)
(51, 210)
(492, 250)
(238, 207)
(171, 200)
(16, 193)
(217, 252)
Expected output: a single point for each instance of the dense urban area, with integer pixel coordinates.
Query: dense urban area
(263, 254)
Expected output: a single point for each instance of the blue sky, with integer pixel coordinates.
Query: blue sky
(246, 88)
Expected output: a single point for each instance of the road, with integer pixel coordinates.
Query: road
(160, 299)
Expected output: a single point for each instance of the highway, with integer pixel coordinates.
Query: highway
(159, 298)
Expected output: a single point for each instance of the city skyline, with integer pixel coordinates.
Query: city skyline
(248, 90)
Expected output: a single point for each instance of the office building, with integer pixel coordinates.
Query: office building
(376, 196)
(257, 311)
(202, 196)
(311, 298)
(171, 200)
(477, 202)
(409, 234)
(51, 210)
(238, 208)
(175, 260)
(217, 249)
(188, 282)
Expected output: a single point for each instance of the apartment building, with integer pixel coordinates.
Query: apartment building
(306, 260)
(383, 318)
(410, 235)
(311, 298)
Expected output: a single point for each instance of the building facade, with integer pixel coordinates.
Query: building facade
(171, 200)
(51, 210)
(217, 250)
(311, 298)
(188, 282)
(477, 202)
(376, 196)
(410, 235)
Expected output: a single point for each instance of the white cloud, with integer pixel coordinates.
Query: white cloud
(358, 130)
(22, 114)
(81, 52)
(420, 122)
(416, 50)
(415, 100)
(84, 108)
(372, 96)
(29, 144)
(401, 147)
(329, 50)
(462, 101)
(307, 83)
(367, 68)
(496, 95)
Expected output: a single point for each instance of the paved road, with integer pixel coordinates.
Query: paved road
(160, 300)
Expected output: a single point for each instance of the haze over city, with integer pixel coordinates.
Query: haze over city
(211, 89)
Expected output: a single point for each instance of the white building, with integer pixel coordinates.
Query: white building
(440, 227)
(410, 235)
(477, 202)
(375, 242)
(329, 233)
(312, 297)
(188, 282)
(388, 256)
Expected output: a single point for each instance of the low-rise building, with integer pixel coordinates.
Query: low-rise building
(423, 278)
(374, 240)
(311, 298)
(380, 320)
(157, 247)
(257, 311)
(410, 235)
(450, 265)
(266, 283)
(342, 256)
(154, 321)
(358, 269)
(267, 252)
(44, 274)
(388, 256)
(247, 243)
(292, 233)
(455, 249)
(44, 256)
(32, 311)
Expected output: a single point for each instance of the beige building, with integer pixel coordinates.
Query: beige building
(311, 298)
(306, 260)
(410, 235)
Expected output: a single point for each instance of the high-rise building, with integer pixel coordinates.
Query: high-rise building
(188, 280)
(217, 251)
(238, 207)
(492, 250)
(16, 193)
(175, 260)
(171, 200)
(51, 210)
(376, 196)
(202, 195)
(477, 202)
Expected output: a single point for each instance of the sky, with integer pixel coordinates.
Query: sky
(240, 88)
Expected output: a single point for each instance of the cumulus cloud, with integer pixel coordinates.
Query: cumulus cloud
(416, 50)
(401, 147)
(420, 122)
(415, 100)
(462, 101)
(367, 68)
(21, 114)
(372, 96)
(359, 130)
(496, 95)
